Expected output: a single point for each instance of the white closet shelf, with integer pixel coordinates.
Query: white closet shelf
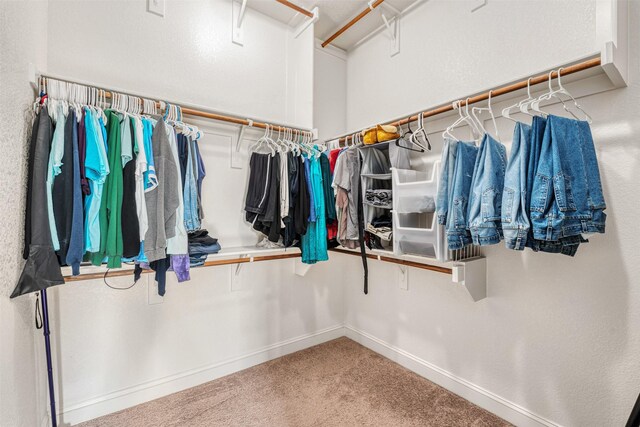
(226, 256)
(471, 273)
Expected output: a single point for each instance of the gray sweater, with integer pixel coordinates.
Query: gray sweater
(162, 202)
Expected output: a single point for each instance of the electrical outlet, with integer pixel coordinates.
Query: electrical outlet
(156, 7)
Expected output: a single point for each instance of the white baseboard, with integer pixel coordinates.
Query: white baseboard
(485, 399)
(145, 392)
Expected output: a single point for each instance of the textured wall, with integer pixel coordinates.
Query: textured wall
(23, 33)
(557, 336)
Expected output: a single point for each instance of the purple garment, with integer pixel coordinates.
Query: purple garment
(180, 266)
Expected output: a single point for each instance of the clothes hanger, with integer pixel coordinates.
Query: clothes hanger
(490, 110)
(403, 138)
(563, 91)
(421, 132)
(506, 112)
(448, 131)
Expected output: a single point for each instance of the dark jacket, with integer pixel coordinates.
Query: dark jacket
(41, 269)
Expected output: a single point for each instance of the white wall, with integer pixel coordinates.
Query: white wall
(557, 337)
(330, 91)
(448, 52)
(187, 56)
(23, 32)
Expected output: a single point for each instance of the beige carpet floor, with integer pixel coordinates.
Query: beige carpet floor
(338, 383)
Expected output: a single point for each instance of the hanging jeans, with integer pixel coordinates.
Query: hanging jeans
(446, 179)
(191, 214)
(485, 197)
(515, 217)
(567, 199)
(566, 246)
(457, 234)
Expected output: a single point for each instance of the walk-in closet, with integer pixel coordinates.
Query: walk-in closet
(385, 213)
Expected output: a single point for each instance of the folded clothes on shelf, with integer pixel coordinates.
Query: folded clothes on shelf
(201, 245)
(381, 198)
(385, 233)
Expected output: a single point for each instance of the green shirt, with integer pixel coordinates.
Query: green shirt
(111, 206)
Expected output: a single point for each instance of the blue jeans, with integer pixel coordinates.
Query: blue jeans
(485, 198)
(566, 200)
(457, 234)
(447, 166)
(515, 211)
(190, 196)
(566, 246)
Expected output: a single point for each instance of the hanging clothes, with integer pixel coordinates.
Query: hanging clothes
(110, 217)
(162, 203)
(130, 224)
(96, 165)
(142, 166)
(62, 190)
(76, 240)
(314, 241)
(41, 269)
(54, 167)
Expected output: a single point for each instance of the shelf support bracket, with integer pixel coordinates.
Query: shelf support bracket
(391, 24)
(301, 269)
(236, 158)
(472, 275)
(308, 22)
(237, 34)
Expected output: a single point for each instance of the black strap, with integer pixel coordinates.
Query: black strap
(38, 314)
(363, 251)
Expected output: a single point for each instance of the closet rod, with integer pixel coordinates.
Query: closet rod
(352, 22)
(571, 69)
(296, 8)
(383, 258)
(116, 273)
(188, 110)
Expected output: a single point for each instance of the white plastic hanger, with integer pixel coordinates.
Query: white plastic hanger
(490, 110)
(420, 132)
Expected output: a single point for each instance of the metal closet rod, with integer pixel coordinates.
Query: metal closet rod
(571, 69)
(296, 8)
(351, 23)
(191, 111)
(116, 273)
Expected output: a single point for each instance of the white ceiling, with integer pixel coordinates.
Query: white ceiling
(333, 15)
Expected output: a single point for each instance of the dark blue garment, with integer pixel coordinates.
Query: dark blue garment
(183, 155)
(160, 267)
(201, 174)
(76, 242)
(213, 248)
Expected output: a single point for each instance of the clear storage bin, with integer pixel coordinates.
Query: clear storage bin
(415, 228)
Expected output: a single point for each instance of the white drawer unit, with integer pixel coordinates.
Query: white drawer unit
(415, 227)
